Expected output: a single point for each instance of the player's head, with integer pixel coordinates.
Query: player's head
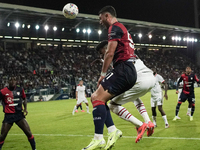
(102, 47)
(188, 70)
(106, 14)
(154, 70)
(12, 81)
(81, 82)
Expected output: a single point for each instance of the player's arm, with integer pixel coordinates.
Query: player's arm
(177, 86)
(1, 97)
(196, 79)
(108, 57)
(166, 88)
(24, 103)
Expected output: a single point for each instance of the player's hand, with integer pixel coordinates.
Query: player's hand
(166, 96)
(99, 81)
(76, 98)
(25, 112)
(177, 92)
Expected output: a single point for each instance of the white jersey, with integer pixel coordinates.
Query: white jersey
(157, 88)
(81, 91)
(145, 81)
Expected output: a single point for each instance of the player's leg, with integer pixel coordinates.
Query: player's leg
(4, 131)
(179, 93)
(191, 100)
(23, 124)
(153, 110)
(182, 98)
(79, 106)
(160, 108)
(79, 101)
(113, 133)
(189, 109)
(87, 105)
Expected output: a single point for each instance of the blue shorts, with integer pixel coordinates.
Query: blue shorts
(190, 97)
(120, 79)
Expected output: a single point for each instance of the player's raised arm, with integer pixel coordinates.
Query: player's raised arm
(177, 86)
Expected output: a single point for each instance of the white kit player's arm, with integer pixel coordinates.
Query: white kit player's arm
(77, 93)
(162, 81)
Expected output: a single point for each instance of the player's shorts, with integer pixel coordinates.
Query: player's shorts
(157, 99)
(13, 118)
(120, 79)
(80, 100)
(145, 81)
(190, 97)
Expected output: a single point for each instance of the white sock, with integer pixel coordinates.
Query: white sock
(98, 136)
(142, 110)
(87, 107)
(111, 128)
(74, 108)
(124, 114)
(189, 110)
(154, 120)
(165, 119)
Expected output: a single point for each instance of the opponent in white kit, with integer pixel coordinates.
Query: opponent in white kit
(145, 81)
(157, 98)
(80, 97)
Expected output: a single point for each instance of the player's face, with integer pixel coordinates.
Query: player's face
(188, 70)
(81, 83)
(12, 81)
(103, 20)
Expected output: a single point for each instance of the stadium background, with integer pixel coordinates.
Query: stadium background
(61, 56)
(50, 53)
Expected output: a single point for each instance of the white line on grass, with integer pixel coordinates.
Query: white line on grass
(128, 137)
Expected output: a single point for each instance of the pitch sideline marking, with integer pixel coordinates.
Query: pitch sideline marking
(128, 137)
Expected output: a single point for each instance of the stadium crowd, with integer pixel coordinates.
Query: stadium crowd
(56, 68)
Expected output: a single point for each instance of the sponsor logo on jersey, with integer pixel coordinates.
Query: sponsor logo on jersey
(9, 100)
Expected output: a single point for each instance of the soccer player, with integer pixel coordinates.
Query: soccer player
(12, 98)
(179, 93)
(80, 97)
(187, 93)
(145, 81)
(121, 52)
(157, 98)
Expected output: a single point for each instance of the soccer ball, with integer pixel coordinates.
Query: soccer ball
(70, 11)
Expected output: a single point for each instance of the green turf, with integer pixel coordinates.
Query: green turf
(55, 128)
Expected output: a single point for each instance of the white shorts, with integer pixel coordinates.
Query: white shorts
(157, 99)
(145, 81)
(80, 100)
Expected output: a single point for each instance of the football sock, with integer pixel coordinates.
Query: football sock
(189, 110)
(165, 119)
(178, 107)
(32, 142)
(124, 114)
(99, 116)
(193, 109)
(109, 122)
(87, 107)
(75, 107)
(1, 144)
(142, 110)
(81, 107)
(154, 120)
(98, 136)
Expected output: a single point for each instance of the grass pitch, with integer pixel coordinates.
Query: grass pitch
(55, 128)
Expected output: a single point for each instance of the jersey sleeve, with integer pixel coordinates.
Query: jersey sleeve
(196, 79)
(77, 89)
(160, 79)
(23, 94)
(115, 33)
(1, 96)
